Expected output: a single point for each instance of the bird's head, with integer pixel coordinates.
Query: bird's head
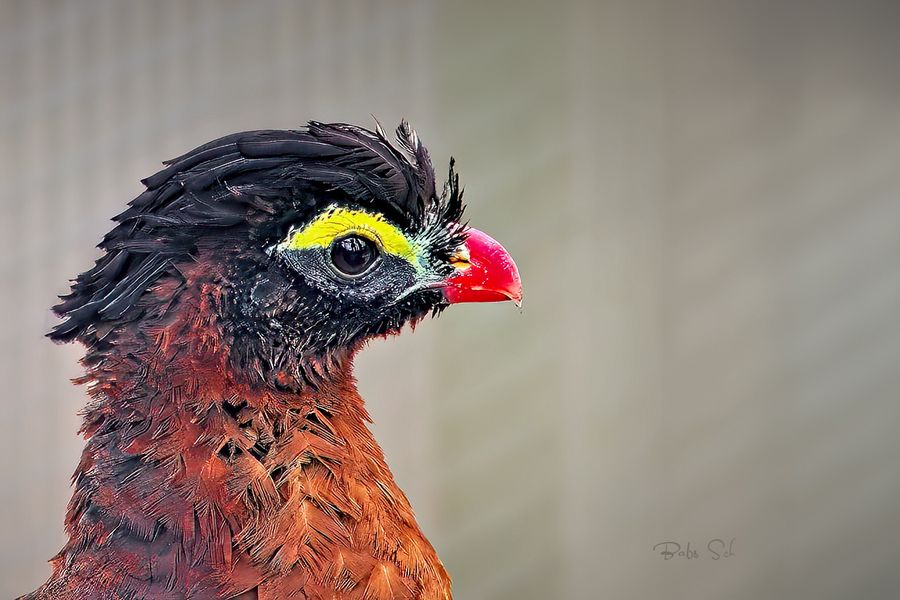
(307, 241)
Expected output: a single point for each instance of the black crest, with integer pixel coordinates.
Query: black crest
(248, 185)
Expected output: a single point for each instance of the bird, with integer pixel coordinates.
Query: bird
(228, 453)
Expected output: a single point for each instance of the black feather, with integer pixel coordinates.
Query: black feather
(222, 189)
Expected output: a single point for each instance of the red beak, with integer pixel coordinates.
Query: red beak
(485, 272)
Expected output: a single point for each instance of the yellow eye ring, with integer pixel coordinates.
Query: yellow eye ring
(339, 222)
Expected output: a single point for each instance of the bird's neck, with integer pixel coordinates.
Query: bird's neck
(196, 482)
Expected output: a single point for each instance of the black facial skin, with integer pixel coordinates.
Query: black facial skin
(299, 300)
(383, 282)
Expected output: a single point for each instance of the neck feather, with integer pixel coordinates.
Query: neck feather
(197, 481)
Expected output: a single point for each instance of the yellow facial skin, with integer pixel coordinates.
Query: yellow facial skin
(338, 222)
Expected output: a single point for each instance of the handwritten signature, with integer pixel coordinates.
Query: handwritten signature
(716, 549)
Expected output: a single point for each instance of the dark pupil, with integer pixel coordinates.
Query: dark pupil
(352, 255)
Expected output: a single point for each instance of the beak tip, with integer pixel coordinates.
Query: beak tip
(516, 296)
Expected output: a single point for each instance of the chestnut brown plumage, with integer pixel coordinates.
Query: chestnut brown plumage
(228, 453)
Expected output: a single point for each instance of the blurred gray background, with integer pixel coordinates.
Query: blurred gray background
(704, 202)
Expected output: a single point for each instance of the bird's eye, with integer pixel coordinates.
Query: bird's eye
(353, 255)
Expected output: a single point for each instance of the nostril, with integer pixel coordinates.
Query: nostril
(462, 259)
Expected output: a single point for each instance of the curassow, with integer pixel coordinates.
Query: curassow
(228, 453)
